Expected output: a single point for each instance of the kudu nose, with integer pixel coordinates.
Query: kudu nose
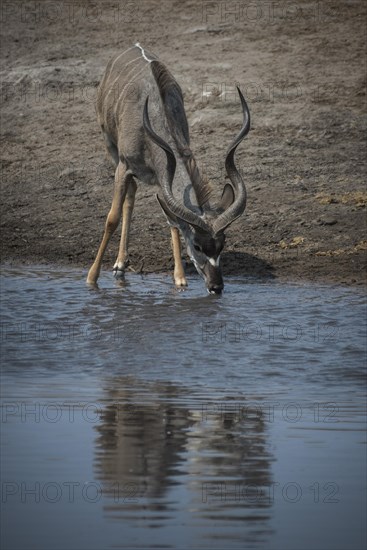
(216, 289)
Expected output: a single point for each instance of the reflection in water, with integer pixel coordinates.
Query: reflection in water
(160, 449)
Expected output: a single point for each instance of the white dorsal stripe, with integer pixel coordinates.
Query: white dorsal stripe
(143, 53)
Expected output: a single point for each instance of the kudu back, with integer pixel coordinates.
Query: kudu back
(138, 93)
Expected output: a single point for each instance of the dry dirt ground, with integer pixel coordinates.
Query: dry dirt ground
(301, 66)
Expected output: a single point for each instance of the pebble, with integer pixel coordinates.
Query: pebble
(327, 220)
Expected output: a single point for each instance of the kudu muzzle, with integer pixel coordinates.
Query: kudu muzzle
(213, 278)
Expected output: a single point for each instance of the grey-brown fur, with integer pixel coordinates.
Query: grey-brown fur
(141, 111)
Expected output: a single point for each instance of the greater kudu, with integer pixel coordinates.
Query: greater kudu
(134, 83)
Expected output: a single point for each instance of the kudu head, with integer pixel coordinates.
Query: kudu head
(203, 232)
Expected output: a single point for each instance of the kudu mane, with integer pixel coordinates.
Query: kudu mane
(173, 105)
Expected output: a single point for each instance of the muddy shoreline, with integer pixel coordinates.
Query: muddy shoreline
(303, 161)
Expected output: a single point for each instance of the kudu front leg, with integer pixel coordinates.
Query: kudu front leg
(179, 273)
(122, 179)
(127, 211)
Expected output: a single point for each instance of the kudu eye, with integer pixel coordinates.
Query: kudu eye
(197, 248)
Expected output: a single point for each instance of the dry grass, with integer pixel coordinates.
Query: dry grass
(355, 198)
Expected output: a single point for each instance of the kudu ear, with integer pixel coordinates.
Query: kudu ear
(227, 197)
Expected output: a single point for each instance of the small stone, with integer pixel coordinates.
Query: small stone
(327, 220)
(194, 30)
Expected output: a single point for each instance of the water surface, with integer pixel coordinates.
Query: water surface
(136, 416)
